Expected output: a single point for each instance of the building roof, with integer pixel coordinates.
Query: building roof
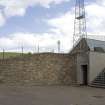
(89, 45)
(97, 45)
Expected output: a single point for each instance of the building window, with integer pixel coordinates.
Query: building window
(99, 49)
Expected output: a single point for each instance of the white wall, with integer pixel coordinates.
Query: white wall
(82, 59)
(96, 64)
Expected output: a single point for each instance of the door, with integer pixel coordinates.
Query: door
(84, 71)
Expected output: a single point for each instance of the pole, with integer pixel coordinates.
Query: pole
(3, 54)
(58, 46)
(22, 50)
(35, 49)
(38, 48)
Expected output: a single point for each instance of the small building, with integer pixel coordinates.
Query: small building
(89, 62)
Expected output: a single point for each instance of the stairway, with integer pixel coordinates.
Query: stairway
(99, 81)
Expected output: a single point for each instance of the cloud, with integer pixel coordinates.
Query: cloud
(2, 19)
(64, 26)
(46, 41)
(10, 11)
(30, 42)
(62, 29)
(18, 7)
(96, 18)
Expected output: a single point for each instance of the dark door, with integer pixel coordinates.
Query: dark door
(84, 70)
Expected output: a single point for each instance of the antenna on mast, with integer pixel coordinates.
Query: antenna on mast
(79, 22)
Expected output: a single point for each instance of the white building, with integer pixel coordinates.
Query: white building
(89, 62)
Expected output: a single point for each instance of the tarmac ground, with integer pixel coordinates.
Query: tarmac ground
(51, 95)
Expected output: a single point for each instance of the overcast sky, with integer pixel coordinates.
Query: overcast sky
(43, 22)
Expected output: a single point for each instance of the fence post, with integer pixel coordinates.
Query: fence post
(22, 50)
(3, 54)
(38, 48)
(58, 46)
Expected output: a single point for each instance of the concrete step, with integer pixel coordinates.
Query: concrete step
(98, 84)
(100, 80)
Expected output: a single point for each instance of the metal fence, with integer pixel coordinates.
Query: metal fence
(57, 48)
(22, 50)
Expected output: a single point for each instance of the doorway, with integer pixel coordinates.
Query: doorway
(85, 74)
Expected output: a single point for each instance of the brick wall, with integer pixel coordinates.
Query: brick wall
(38, 69)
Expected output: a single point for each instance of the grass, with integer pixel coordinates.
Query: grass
(9, 54)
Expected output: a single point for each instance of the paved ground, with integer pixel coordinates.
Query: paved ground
(51, 95)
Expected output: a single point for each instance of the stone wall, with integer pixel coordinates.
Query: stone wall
(38, 69)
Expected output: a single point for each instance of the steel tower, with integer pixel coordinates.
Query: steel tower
(79, 22)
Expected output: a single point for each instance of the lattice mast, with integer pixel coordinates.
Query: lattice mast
(79, 22)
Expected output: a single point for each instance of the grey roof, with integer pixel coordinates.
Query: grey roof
(92, 43)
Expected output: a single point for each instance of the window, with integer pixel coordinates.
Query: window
(99, 49)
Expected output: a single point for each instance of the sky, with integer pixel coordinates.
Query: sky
(33, 23)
